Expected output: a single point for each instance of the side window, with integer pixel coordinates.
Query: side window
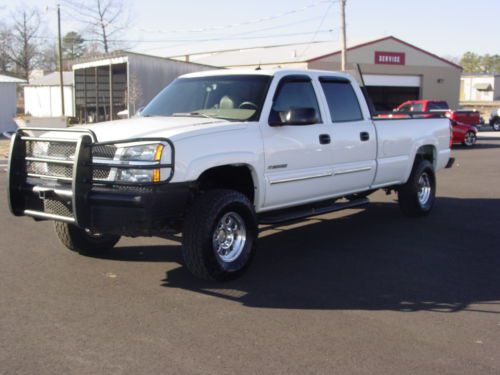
(417, 107)
(342, 100)
(294, 94)
(405, 108)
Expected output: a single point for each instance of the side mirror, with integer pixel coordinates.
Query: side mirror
(294, 116)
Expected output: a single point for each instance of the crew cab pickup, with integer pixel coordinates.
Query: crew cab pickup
(466, 117)
(217, 153)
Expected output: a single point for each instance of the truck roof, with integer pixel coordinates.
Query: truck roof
(265, 72)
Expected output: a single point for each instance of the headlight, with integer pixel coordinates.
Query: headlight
(140, 155)
(136, 163)
(138, 175)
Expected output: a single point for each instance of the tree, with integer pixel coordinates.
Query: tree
(134, 95)
(104, 20)
(48, 58)
(474, 63)
(490, 63)
(73, 46)
(23, 48)
(5, 41)
(471, 62)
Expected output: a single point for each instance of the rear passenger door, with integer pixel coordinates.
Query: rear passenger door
(353, 141)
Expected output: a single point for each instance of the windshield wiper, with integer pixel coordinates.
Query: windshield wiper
(192, 114)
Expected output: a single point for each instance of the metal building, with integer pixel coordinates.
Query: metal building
(42, 96)
(8, 100)
(393, 70)
(122, 82)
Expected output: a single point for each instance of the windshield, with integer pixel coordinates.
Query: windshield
(230, 97)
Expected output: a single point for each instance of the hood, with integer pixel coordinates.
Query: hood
(165, 127)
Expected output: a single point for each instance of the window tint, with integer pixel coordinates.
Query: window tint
(295, 94)
(405, 108)
(342, 101)
(434, 106)
(417, 107)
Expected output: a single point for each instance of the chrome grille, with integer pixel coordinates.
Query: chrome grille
(63, 151)
(57, 207)
(104, 151)
(48, 169)
(100, 173)
(55, 150)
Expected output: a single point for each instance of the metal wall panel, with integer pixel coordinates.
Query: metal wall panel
(7, 106)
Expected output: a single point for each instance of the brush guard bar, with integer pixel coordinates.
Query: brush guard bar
(75, 187)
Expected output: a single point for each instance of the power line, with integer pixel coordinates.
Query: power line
(239, 24)
(319, 27)
(217, 39)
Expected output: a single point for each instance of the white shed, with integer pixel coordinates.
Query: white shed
(42, 97)
(8, 100)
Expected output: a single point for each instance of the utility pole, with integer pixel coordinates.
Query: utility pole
(60, 58)
(343, 37)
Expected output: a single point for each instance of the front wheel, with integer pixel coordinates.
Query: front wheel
(219, 235)
(83, 241)
(470, 139)
(416, 197)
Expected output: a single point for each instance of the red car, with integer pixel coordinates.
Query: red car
(462, 116)
(464, 134)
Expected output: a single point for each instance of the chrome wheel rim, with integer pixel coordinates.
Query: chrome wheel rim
(229, 237)
(496, 126)
(424, 189)
(470, 139)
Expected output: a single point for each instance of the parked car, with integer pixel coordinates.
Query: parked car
(464, 134)
(495, 119)
(217, 153)
(470, 117)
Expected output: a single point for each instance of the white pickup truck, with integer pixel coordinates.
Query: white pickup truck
(215, 154)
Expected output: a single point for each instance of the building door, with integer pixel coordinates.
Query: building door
(387, 92)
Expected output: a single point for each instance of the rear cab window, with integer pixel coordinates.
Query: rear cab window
(438, 106)
(342, 100)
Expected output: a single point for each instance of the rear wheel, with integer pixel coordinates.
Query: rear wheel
(83, 241)
(416, 197)
(470, 139)
(219, 235)
(496, 125)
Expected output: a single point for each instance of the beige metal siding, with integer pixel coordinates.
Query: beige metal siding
(440, 80)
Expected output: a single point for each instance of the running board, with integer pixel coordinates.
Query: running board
(302, 212)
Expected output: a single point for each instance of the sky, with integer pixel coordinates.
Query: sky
(167, 28)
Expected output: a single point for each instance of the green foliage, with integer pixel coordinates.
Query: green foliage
(73, 46)
(475, 63)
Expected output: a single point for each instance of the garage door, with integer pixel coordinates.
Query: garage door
(389, 91)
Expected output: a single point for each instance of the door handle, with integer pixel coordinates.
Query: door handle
(364, 136)
(324, 139)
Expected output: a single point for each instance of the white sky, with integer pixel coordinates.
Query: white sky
(444, 27)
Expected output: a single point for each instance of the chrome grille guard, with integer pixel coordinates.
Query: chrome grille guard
(72, 186)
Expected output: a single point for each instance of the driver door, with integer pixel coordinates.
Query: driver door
(297, 157)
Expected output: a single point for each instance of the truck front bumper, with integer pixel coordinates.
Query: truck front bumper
(133, 212)
(124, 209)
